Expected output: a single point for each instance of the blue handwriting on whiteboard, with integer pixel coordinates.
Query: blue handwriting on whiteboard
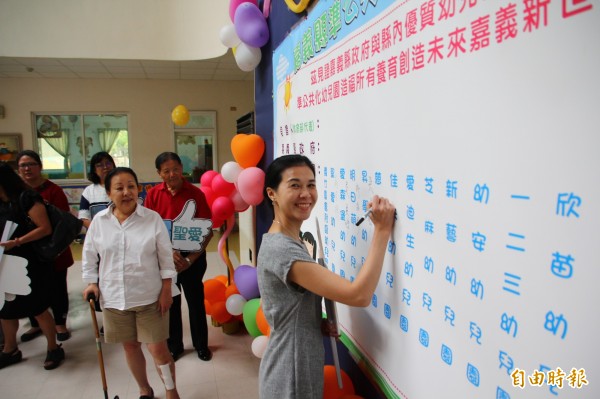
(429, 227)
(513, 281)
(410, 241)
(424, 337)
(501, 393)
(506, 362)
(451, 275)
(389, 279)
(410, 212)
(378, 178)
(515, 247)
(408, 269)
(387, 311)
(403, 323)
(449, 315)
(406, 296)
(428, 264)
(561, 265)
(509, 324)
(410, 182)
(478, 241)
(477, 288)
(566, 204)
(446, 354)
(451, 188)
(427, 301)
(391, 247)
(472, 374)
(394, 180)
(429, 185)
(451, 232)
(475, 332)
(555, 323)
(481, 193)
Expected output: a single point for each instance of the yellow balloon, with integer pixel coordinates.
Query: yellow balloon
(234, 50)
(180, 115)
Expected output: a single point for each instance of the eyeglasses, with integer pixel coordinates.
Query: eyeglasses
(105, 164)
(28, 165)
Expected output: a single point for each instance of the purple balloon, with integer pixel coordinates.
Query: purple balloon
(251, 25)
(246, 281)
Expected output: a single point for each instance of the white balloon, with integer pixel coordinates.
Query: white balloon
(228, 36)
(230, 171)
(259, 345)
(247, 57)
(235, 304)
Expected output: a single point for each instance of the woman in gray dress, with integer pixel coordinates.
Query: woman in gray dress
(292, 284)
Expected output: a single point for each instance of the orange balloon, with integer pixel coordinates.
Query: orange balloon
(261, 322)
(208, 307)
(220, 313)
(330, 386)
(230, 290)
(222, 278)
(214, 291)
(247, 149)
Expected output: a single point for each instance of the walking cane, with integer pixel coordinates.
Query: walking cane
(99, 346)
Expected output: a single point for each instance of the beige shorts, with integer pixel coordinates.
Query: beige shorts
(142, 323)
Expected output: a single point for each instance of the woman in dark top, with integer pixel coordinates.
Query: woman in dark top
(18, 204)
(30, 170)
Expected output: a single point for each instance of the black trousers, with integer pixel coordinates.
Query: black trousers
(190, 283)
(59, 298)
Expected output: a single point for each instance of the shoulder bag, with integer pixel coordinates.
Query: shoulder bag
(65, 228)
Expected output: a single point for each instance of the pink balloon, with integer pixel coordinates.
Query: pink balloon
(222, 208)
(238, 202)
(209, 194)
(206, 178)
(251, 25)
(250, 185)
(221, 187)
(233, 5)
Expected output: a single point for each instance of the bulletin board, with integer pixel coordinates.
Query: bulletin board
(479, 120)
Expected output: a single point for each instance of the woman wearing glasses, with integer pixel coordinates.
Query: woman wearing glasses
(30, 170)
(94, 197)
(18, 203)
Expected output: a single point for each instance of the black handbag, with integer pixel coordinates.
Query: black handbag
(65, 228)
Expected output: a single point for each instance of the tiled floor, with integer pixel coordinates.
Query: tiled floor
(232, 373)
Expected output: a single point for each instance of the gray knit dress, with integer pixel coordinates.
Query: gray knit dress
(292, 366)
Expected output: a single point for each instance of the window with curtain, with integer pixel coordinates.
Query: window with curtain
(67, 142)
(196, 144)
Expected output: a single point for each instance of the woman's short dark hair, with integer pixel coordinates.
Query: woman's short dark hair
(118, 171)
(30, 154)
(166, 156)
(273, 174)
(11, 182)
(97, 158)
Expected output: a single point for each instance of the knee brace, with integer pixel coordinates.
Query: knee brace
(165, 370)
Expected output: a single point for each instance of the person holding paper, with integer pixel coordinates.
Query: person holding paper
(20, 204)
(292, 284)
(30, 170)
(127, 258)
